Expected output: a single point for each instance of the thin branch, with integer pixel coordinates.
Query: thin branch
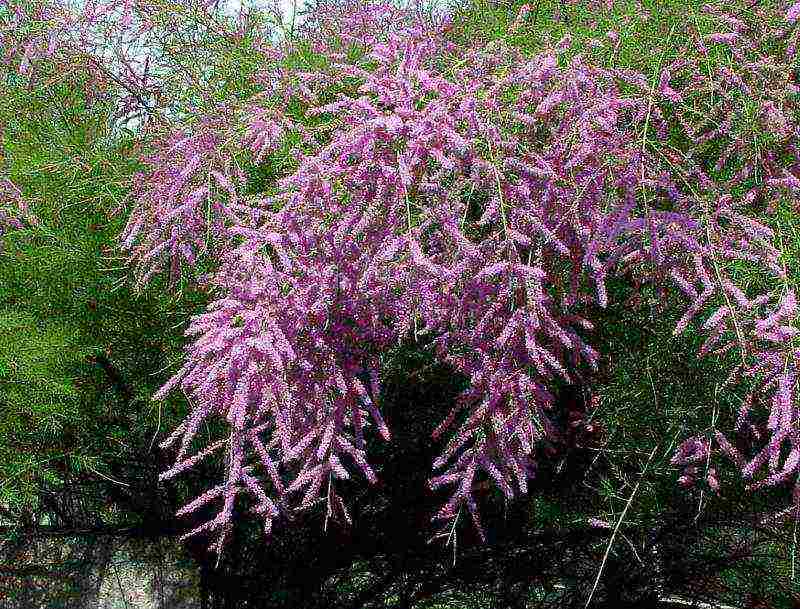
(616, 528)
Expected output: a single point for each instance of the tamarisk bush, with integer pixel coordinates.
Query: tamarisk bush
(477, 201)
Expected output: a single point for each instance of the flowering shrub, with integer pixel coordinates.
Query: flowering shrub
(473, 199)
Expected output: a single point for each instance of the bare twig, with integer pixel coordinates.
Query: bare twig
(616, 528)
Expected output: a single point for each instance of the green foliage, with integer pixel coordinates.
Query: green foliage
(80, 353)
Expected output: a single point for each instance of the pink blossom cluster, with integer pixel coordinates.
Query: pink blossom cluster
(14, 212)
(485, 205)
(755, 168)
